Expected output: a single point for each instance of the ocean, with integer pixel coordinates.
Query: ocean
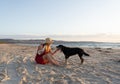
(84, 44)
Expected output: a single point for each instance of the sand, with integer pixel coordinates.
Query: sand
(17, 66)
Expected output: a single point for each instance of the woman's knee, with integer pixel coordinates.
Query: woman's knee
(47, 57)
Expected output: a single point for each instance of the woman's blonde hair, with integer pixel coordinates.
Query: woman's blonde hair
(48, 40)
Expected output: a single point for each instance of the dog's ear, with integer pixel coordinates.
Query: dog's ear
(57, 46)
(61, 45)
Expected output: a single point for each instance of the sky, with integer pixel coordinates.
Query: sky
(61, 17)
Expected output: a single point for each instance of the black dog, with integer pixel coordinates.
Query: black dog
(72, 51)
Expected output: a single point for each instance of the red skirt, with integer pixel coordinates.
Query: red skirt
(39, 59)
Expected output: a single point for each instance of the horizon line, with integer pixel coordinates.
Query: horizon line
(95, 38)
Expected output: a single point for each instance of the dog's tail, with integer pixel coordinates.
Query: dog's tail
(86, 54)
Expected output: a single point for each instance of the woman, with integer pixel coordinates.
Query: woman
(44, 54)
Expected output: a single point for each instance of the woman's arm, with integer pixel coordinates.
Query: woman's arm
(40, 49)
(55, 51)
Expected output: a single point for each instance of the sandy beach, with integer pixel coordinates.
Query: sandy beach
(17, 66)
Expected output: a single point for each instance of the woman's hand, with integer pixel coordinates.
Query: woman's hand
(55, 51)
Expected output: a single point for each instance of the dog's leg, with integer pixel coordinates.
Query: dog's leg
(65, 61)
(82, 60)
(66, 57)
